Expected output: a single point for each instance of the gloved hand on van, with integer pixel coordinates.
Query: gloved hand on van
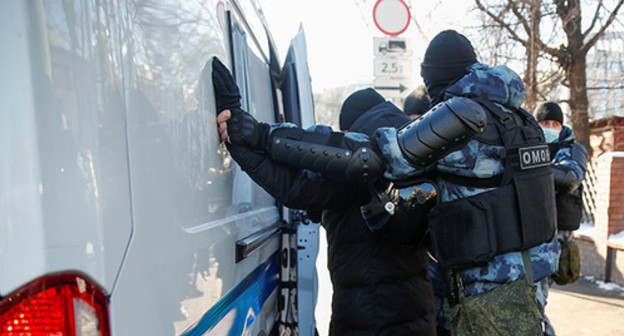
(242, 128)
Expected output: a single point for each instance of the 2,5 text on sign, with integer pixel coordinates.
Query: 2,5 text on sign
(392, 68)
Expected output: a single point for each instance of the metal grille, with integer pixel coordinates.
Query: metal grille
(589, 194)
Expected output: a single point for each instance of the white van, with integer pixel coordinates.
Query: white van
(121, 213)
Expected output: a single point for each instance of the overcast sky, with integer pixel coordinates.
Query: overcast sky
(340, 34)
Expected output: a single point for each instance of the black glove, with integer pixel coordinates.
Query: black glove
(243, 128)
(227, 95)
(565, 179)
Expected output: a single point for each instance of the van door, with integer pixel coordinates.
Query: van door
(299, 109)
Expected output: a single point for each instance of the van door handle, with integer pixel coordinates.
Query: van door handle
(247, 245)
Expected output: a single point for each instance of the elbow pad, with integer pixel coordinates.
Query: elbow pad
(334, 155)
(441, 130)
(565, 180)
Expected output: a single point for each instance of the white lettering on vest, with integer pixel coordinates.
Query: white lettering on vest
(534, 157)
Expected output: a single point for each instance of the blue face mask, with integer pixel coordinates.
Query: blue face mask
(551, 135)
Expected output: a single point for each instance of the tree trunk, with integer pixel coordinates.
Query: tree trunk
(575, 68)
(577, 76)
(530, 76)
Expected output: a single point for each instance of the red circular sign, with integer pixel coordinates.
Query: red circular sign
(392, 17)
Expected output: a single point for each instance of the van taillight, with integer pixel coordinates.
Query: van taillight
(64, 304)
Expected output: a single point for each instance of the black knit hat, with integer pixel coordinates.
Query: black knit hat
(417, 102)
(549, 111)
(446, 59)
(356, 104)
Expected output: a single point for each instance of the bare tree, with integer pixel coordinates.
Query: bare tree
(521, 21)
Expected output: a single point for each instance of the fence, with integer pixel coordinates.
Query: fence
(589, 194)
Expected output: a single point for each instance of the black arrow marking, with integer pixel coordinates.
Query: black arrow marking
(401, 87)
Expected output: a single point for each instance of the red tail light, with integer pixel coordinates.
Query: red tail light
(66, 304)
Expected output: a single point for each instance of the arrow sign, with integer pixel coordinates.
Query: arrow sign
(401, 87)
(393, 88)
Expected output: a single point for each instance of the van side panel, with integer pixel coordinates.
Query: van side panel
(21, 232)
(80, 209)
(111, 164)
(191, 203)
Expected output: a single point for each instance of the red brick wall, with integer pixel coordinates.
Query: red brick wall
(616, 204)
(618, 139)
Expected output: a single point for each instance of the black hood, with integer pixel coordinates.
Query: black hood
(446, 59)
(357, 104)
(385, 114)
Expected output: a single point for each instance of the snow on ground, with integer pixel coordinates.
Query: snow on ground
(617, 238)
(607, 286)
(586, 229)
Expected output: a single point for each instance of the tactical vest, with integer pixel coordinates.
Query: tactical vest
(520, 211)
(569, 204)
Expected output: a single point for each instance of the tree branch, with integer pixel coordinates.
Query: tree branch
(594, 20)
(520, 17)
(514, 36)
(600, 33)
(501, 23)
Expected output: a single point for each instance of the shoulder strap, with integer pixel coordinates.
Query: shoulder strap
(504, 124)
(528, 266)
(505, 119)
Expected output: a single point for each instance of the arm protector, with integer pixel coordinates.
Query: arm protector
(336, 155)
(441, 130)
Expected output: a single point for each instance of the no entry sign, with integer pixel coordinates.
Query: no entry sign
(392, 17)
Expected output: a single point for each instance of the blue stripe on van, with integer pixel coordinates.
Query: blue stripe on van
(242, 304)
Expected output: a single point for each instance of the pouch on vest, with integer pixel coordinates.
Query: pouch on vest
(569, 263)
(569, 211)
(537, 209)
(470, 231)
(463, 232)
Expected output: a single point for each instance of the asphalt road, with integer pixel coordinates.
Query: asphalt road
(578, 309)
(583, 308)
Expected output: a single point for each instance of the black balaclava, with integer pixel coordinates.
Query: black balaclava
(446, 59)
(549, 111)
(417, 102)
(356, 104)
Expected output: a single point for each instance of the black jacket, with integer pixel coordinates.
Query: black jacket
(380, 287)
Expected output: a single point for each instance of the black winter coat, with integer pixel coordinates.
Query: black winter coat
(380, 287)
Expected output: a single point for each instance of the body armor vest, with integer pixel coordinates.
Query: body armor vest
(520, 211)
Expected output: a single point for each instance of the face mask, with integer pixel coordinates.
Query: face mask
(551, 135)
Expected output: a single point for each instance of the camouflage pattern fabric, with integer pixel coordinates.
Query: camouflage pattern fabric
(510, 309)
(497, 84)
(569, 263)
(563, 157)
(503, 87)
(569, 259)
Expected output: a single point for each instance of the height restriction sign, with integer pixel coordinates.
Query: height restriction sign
(392, 17)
